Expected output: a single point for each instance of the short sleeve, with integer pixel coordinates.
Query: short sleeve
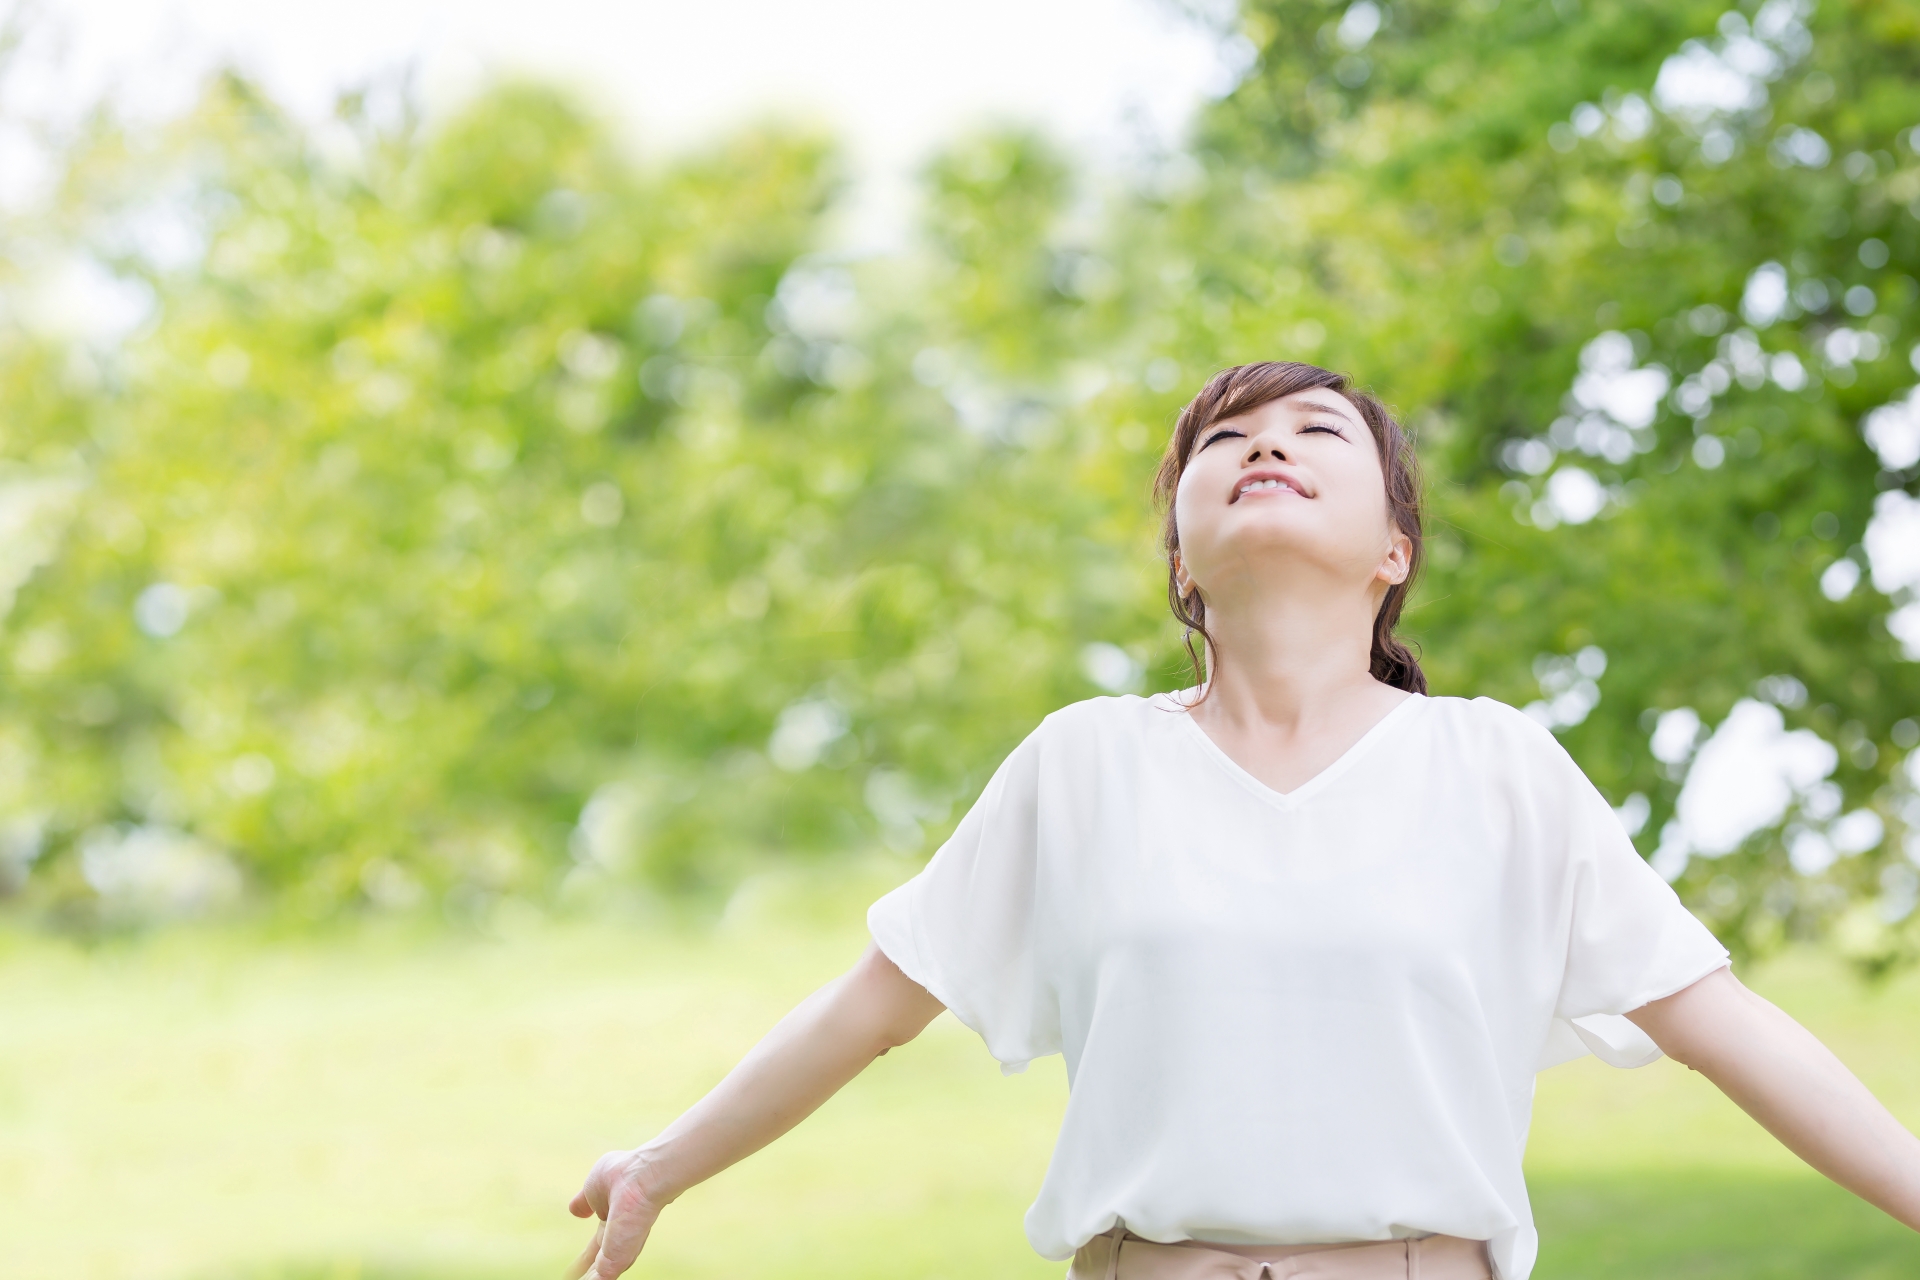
(1629, 937)
(964, 927)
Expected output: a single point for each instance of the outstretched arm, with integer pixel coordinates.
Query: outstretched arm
(1793, 1085)
(827, 1040)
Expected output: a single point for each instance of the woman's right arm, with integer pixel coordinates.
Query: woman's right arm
(827, 1040)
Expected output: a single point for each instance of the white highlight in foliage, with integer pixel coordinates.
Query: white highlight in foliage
(611, 826)
(35, 512)
(1893, 542)
(1801, 146)
(1765, 298)
(818, 302)
(1904, 625)
(601, 505)
(157, 870)
(1609, 383)
(1857, 832)
(161, 610)
(901, 807)
(1810, 852)
(1839, 579)
(1745, 775)
(1570, 686)
(1575, 495)
(1893, 430)
(1699, 82)
(1787, 372)
(1632, 118)
(1358, 24)
(1781, 691)
(1674, 734)
(803, 733)
(1633, 812)
(76, 296)
(1112, 668)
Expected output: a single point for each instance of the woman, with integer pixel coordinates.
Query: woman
(1303, 933)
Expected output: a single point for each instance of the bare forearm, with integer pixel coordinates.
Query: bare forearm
(808, 1056)
(1779, 1073)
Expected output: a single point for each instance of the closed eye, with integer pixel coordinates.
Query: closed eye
(1321, 426)
(1221, 435)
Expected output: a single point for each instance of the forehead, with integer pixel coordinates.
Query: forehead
(1299, 405)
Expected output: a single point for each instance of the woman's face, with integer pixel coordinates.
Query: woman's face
(1293, 485)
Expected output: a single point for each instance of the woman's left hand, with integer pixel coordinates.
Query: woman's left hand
(617, 1193)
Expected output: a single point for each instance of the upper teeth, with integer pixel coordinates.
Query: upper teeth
(1251, 485)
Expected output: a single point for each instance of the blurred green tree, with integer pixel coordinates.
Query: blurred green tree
(475, 505)
(1639, 273)
(478, 507)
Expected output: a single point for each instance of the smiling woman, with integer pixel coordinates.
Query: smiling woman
(1277, 397)
(1303, 933)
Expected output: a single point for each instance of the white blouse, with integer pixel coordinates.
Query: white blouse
(1303, 1017)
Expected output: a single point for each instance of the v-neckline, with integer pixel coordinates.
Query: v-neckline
(1319, 781)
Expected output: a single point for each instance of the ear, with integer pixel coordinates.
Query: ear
(1180, 577)
(1399, 559)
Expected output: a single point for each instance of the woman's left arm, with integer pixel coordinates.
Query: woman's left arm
(1793, 1085)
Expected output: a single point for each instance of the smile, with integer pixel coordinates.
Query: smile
(1264, 485)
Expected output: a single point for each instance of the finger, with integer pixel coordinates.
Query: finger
(594, 1190)
(580, 1207)
(626, 1230)
(578, 1267)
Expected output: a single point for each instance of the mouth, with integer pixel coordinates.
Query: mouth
(1261, 485)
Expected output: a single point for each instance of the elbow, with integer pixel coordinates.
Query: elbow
(890, 1007)
(887, 1033)
(892, 1037)
(1684, 1054)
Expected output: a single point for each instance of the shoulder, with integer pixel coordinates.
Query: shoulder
(1097, 719)
(1489, 717)
(1494, 717)
(1077, 741)
(1497, 738)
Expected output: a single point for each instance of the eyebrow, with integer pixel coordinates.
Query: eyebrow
(1316, 406)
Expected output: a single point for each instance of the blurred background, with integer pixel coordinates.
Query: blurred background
(516, 525)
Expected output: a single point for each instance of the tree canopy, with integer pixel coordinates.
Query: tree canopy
(476, 510)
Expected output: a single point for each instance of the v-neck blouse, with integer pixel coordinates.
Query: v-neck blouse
(1299, 1017)
(1300, 794)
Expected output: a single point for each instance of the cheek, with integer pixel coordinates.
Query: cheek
(1189, 516)
(1361, 504)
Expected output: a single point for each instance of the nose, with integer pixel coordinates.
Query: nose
(1271, 451)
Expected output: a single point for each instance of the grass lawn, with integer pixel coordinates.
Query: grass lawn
(399, 1105)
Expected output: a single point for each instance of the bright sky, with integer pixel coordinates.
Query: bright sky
(893, 78)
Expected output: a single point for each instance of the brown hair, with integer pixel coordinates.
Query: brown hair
(1246, 387)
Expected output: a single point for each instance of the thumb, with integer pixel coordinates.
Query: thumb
(580, 1207)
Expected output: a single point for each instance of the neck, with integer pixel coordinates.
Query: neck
(1289, 659)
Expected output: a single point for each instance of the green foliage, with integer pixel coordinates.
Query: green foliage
(494, 474)
(481, 507)
(1470, 196)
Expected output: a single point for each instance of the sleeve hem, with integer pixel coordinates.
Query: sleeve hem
(1662, 992)
(1647, 995)
(891, 923)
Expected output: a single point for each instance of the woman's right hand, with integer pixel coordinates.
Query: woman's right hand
(618, 1193)
(826, 1041)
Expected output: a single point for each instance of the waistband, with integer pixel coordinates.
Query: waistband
(1121, 1255)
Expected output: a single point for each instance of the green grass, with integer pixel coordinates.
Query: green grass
(394, 1105)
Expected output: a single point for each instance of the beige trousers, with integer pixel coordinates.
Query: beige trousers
(1121, 1255)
